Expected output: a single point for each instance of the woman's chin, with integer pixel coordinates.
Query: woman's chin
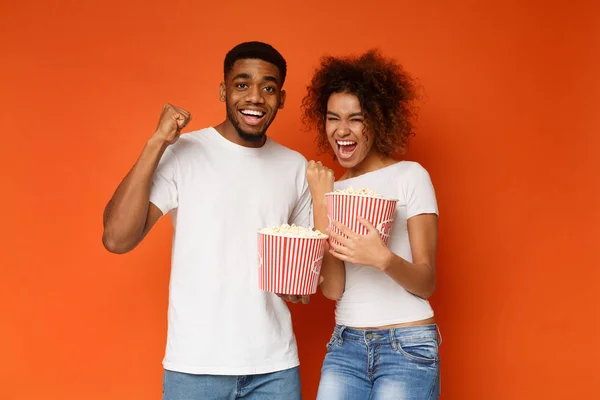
(349, 163)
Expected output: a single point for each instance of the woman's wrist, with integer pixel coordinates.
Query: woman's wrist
(386, 260)
(318, 199)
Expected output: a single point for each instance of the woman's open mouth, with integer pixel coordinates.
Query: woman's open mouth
(346, 148)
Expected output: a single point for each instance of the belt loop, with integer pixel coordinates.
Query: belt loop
(392, 332)
(341, 330)
(439, 332)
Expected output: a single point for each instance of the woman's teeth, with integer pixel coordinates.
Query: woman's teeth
(346, 148)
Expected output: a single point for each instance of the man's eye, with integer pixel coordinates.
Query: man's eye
(241, 86)
(270, 89)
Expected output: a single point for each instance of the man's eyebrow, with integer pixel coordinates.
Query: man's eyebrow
(270, 78)
(243, 75)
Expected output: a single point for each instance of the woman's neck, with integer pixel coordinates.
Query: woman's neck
(372, 162)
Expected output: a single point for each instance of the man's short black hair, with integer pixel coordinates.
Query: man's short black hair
(256, 51)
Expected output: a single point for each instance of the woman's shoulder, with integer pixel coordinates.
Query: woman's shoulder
(413, 169)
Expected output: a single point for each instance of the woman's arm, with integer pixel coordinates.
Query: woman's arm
(418, 276)
(320, 180)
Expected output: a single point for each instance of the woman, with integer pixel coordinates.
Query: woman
(385, 342)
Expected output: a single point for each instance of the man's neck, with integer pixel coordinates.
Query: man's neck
(228, 131)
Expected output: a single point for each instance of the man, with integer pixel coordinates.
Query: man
(226, 338)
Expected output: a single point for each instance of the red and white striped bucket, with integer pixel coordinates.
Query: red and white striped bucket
(345, 208)
(289, 265)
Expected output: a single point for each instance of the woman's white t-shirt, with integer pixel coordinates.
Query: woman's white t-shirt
(371, 298)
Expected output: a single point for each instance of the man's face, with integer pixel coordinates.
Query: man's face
(252, 93)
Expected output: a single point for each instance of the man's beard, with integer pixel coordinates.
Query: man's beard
(248, 137)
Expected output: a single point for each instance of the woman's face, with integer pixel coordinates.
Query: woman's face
(345, 128)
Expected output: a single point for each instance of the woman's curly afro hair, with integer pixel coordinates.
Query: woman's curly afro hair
(385, 92)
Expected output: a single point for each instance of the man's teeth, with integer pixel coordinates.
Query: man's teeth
(253, 113)
(345, 143)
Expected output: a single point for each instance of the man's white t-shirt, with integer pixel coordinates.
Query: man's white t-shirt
(371, 297)
(219, 194)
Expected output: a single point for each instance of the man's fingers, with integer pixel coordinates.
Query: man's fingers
(290, 298)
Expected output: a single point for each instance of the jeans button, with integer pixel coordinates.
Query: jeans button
(369, 336)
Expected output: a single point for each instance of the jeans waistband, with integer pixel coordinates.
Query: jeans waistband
(419, 332)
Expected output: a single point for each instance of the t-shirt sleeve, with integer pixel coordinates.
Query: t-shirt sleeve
(420, 194)
(302, 213)
(163, 193)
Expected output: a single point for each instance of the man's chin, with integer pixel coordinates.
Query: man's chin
(254, 137)
(254, 134)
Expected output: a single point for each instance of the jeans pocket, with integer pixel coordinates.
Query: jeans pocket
(334, 341)
(423, 350)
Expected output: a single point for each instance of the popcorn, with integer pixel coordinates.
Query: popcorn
(290, 259)
(359, 192)
(345, 206)
(292, 231)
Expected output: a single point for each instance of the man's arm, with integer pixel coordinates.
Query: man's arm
(129, 215)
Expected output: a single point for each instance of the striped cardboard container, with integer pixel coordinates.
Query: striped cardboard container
(345, 208)
(289, 265)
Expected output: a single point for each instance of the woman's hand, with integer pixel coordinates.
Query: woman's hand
(366, 249)
(320, 180)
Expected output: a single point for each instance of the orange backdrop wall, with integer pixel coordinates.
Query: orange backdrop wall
(509, 130)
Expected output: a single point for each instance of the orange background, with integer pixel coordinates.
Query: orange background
(509, 130)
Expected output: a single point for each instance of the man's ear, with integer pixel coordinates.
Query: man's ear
(282, 102)
(222, 92)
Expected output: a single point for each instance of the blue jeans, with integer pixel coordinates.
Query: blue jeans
(388, 364)
(280, 385)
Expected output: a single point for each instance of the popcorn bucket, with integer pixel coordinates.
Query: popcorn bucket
(345, 208)
(289, 265)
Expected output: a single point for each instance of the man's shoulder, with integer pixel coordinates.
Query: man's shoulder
(195, 136)
(191, 140)
(287, 153)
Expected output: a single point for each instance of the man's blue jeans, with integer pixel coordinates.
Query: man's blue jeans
(280, 385)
